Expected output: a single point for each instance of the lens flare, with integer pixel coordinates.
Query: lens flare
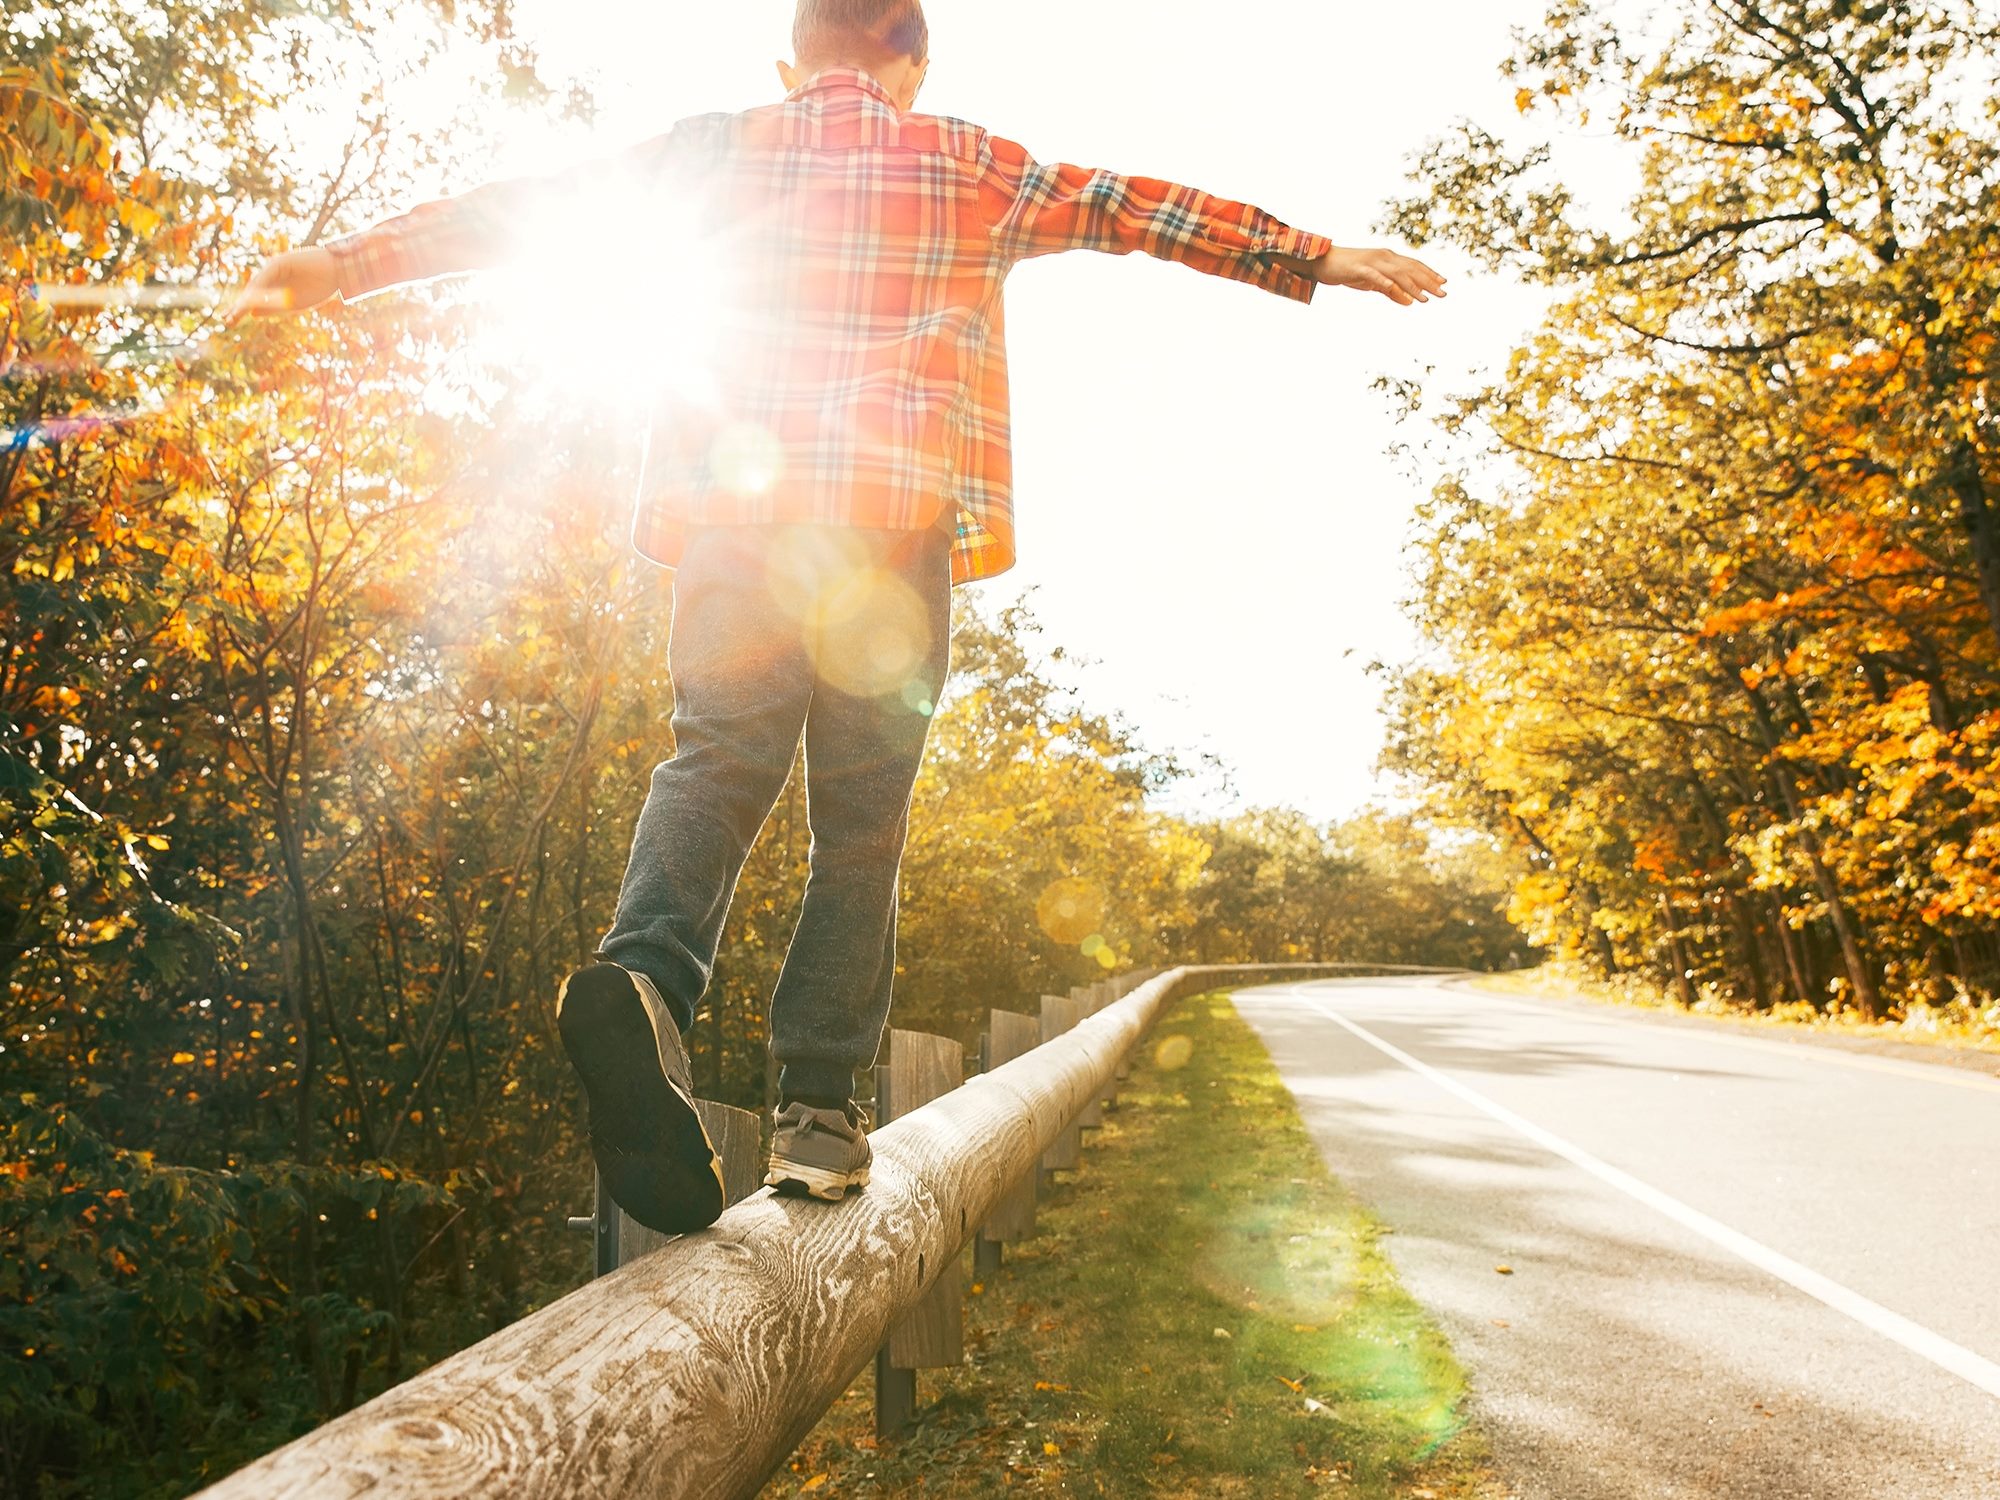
(1070, 910)
(747, 459)
(871, 635)
(631, 312)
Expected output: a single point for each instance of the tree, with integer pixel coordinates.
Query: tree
(1717, 610)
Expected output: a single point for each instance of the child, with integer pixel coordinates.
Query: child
(853, 466)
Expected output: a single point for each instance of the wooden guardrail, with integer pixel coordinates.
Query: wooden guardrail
(696, 1370)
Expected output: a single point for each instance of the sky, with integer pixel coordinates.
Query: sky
(1206, 509)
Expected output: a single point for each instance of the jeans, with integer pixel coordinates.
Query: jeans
(838, 633)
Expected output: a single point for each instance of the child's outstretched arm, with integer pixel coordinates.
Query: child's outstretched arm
(463, 233)
(1037, 209)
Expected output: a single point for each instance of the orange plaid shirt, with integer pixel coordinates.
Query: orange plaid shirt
(864, 366)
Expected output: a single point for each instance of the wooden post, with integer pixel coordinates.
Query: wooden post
(1127, 983)
(738, 1137)
(617, 1240)
(1060, 1014)
(931, 1335)
(1091, 998)
(1107, 995)
(1009, 1035)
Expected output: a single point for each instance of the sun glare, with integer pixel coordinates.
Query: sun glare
(614, 295)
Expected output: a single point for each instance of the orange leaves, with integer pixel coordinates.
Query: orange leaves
(1741, 617)
(1658, 855)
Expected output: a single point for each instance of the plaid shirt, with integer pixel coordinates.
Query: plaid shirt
(862, 379)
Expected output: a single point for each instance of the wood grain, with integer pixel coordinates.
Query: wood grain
(693, 1372)
(931, 1335)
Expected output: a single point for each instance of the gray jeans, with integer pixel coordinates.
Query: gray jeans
(837, 633)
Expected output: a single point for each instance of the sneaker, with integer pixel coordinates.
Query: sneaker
(653, 1155)
(823, 1152)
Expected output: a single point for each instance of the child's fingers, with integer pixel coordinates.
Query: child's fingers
(1389, 288)
(257, 299)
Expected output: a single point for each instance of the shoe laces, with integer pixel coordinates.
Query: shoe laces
(813, 1117)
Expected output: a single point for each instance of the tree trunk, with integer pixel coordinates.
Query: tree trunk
(1683, 984)
(1788, 944)
(1846, 929)
(1982, 528)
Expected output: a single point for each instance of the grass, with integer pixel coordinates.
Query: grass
(1204, 1311)
(1959, 1025)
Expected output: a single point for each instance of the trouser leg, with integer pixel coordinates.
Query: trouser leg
(743, 679)
(880, 657)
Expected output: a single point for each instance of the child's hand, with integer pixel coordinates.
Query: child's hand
(287, 283)
(1400, 278)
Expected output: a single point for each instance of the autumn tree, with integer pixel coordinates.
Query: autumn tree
(1711, 570)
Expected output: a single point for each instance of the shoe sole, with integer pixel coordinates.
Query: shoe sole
(653, 1154)
(799, 1179)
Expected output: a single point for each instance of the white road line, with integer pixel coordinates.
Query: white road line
(1942, 1352)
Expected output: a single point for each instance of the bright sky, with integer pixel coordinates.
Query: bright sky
(1206, 509)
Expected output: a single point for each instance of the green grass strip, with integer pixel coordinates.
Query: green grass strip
(1205, 1311)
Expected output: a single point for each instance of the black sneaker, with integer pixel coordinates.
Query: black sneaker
(823, 1152)
(655, 1159)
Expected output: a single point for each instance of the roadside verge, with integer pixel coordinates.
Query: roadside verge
(1204, 1311)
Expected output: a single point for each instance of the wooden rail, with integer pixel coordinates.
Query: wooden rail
(696, 1370)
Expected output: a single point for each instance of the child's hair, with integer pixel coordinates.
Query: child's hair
(860, 31)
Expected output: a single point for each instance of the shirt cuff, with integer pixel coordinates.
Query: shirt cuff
(1273, 276)
(363, 263)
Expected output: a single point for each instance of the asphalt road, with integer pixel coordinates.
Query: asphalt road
(1740, 1267)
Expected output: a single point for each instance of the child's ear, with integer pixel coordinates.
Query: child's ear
(788, 75)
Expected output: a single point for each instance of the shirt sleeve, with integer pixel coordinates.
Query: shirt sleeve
(1037, 209)
(485, 226)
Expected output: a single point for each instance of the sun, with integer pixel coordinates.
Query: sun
(612, 293)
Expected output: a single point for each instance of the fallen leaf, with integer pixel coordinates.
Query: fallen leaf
(1296, 1385)
(1504, 1270)
(1501, 1323)
(813, 1483)
(1049, 1385)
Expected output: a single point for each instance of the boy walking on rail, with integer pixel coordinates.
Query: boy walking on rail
(853, 467)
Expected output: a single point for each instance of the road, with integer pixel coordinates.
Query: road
(1740, 1267)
